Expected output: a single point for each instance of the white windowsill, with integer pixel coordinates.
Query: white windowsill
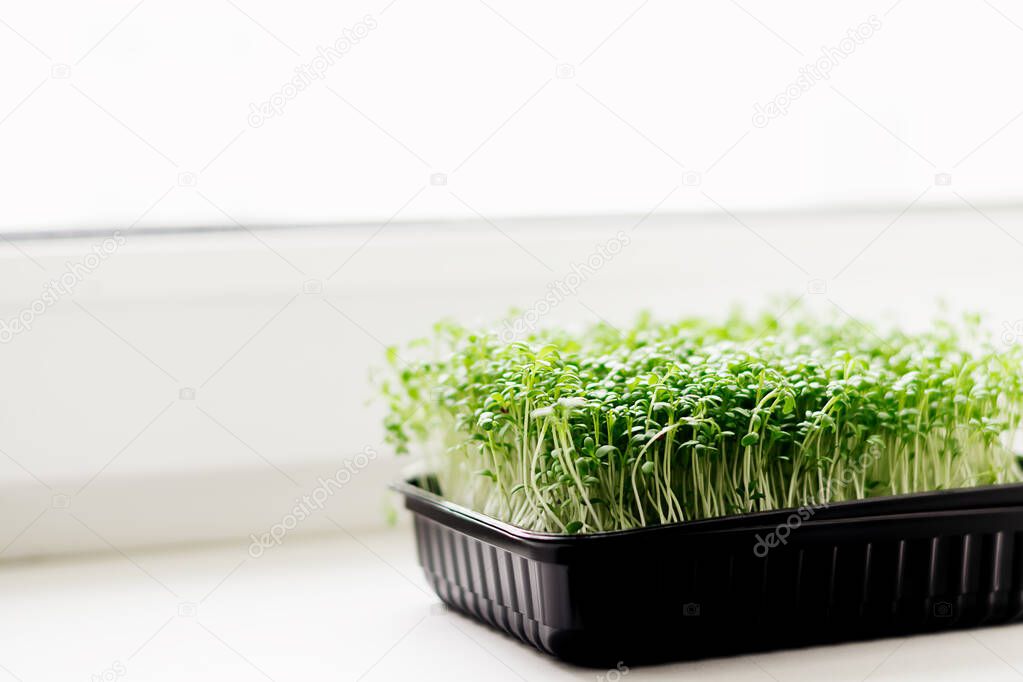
(357, 607)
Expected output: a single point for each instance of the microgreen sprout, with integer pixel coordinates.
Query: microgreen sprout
(668, 422)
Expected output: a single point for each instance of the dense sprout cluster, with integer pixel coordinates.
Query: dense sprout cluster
(608, 430)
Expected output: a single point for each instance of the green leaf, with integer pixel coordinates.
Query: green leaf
(788, 405)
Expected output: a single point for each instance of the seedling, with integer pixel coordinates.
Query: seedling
(670, 422)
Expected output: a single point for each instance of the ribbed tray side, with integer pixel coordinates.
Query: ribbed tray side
(796, 595)
(491, 584)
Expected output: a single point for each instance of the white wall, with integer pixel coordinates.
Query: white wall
(884, 181)
(105, 105)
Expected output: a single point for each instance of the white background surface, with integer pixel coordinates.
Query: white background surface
(149, 90)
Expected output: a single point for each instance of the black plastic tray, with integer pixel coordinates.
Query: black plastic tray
(852, 570)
